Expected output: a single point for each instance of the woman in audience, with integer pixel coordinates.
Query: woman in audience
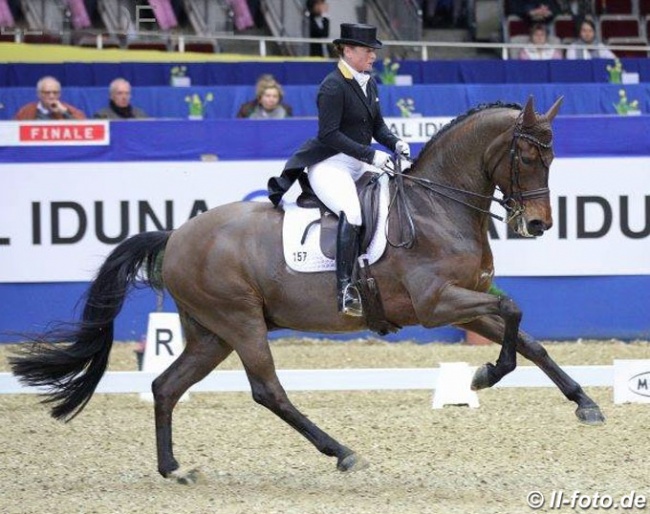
(268, 102)
(587, 45)
(540, 49)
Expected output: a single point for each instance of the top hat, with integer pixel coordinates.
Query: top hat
(358, 34)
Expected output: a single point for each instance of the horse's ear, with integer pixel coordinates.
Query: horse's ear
(529, 118)
(552, 112)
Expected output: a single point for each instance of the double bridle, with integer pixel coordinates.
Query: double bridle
(512, 204)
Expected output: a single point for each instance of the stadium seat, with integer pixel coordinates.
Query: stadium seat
(619, 25)
(614, 7)
(629, 41)
(514, 26)
(206, 46)
(148, 45)
(42, 39)
(521, 39)
(644, 8)
(108, 41)
(564, 27)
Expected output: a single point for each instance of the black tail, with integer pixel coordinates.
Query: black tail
(72, 371)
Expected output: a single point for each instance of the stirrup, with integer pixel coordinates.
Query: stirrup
(351, 302)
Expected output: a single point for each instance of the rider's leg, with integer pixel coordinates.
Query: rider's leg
(347, 252)
(333, 183)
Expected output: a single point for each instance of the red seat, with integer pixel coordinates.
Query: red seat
(619, 25)
(7, 37)
(514, 26)
(564, 27)
(614, 7)
(624, 41)
(205, 47)
(108, 41)
(644, 8)
(42, 38)
(148, 45)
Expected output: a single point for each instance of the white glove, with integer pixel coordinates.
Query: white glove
(381, 160)
(403, 148)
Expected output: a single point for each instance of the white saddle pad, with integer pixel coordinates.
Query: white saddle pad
(308, 257)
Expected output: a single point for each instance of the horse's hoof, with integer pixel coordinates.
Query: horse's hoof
(481, 378)
(590, 415)
(353, 462)
(186, 476)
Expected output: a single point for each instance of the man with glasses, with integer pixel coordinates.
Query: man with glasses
(49, 105)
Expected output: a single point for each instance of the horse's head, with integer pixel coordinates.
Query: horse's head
(518, 163)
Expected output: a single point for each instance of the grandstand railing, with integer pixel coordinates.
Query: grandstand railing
(266, 44)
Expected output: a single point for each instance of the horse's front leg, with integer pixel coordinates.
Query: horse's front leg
(587, 409)
(456, 305)
(489, 374)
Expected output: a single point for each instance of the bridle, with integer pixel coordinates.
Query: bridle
(514, 204)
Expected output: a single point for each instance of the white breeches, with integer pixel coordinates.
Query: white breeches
(333, 182)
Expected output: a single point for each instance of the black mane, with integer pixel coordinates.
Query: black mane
(471, 112)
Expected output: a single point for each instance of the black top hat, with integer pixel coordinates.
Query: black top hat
(358, 34)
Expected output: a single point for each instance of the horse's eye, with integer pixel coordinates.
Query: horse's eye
(526, 160)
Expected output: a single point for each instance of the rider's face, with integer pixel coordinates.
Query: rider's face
(361, 58)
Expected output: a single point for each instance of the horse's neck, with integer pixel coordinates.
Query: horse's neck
(457, 159)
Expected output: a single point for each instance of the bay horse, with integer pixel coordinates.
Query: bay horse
(226, 272)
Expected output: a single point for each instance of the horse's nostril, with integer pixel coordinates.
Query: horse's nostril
(536, 227)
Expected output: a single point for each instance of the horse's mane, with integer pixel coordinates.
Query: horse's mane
(463, 117)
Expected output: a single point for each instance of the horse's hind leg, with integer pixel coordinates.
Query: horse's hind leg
(267, 391)
(588, 411)
(203, 352)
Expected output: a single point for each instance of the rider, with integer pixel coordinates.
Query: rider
(349, 117)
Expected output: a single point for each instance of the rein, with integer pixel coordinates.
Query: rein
(513, 204)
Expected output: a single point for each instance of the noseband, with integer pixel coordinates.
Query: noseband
(514, 204)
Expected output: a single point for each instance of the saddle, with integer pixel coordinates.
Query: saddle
(368, 191)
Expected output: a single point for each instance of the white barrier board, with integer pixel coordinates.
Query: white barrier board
(52, 232)
(631, 381)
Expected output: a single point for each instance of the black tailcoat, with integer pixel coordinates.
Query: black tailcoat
(347, 122)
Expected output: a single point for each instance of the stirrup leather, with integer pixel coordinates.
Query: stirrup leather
(350, 302)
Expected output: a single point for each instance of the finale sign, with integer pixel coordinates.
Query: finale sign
(55, 133)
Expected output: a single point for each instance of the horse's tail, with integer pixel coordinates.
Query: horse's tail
(71, 372)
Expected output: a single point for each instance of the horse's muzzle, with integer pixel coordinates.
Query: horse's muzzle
(537, 227)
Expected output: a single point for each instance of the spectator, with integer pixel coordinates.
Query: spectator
(538, 12)
(587, 38)
(539, 50)
(119, 104)
(443, 13)
(268, 101)
(49, 105)
(319, 26)
(578, 9)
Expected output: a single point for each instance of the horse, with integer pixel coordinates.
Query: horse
(226, 273)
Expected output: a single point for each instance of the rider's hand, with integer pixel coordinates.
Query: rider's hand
(381, 160)
(403, 148)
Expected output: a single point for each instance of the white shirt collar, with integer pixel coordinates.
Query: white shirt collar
(361, 78)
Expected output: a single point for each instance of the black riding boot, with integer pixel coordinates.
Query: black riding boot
(347, 251)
